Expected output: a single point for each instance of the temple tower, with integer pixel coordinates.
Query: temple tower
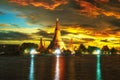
(71, 47)
(41, 46)
(57, 41)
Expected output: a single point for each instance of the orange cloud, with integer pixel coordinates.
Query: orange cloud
(92, 10)
(102, 1)
(88, 8)
(46, 5)
(108, 13)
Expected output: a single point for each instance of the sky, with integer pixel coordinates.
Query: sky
(90, 22)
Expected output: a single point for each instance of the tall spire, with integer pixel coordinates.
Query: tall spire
(57, 41)
(57, 24)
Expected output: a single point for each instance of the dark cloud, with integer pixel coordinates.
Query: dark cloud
(117, 43)
(116, 30)
(11, 35)
(104, 40)
(88, 39)
(44, 34)
(15, 25)
(115, 22)
(2, 13)
(63, 32)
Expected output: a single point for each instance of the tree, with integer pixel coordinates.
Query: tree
(105, 49)
(82, 49)
(113, 50)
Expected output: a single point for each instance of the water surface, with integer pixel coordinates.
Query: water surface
(87, 67)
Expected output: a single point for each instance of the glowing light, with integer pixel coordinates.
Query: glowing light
(57, 52)
(57, 70)
(96, 52)
(33, 51)
(26, 51)
(98, 71)
(31, 73)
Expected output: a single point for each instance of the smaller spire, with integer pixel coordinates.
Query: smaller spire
(41, 43)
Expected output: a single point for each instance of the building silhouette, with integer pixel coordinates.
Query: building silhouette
(57, 40)
(41, 46)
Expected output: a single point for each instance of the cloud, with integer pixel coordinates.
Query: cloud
(4, 25)
(1, 13)
(65, 32)
(11, 35)
(88, 39)
(104, 40)
(102, 1)
(94, 18)
(85, 7)
(95, 8)
(47, 4)
(44, 34)
(88, 8)
(115, 22)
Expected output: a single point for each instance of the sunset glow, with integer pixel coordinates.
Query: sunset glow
(95, 23)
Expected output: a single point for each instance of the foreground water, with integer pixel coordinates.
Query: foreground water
(87, 67)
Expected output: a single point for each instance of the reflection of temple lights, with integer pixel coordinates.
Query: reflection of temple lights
(98, 71)
(31, 73)
(57, 70)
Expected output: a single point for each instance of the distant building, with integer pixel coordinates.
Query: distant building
(57, 42)
(41, 47)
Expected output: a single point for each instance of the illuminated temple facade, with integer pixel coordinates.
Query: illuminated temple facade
(57, 42)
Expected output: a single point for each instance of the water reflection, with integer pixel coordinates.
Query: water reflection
(31, 73)
(98, 71)
(59, 68)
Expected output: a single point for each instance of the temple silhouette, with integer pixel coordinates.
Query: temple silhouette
(41, 46)
(57, 42)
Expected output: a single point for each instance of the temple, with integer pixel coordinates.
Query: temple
(41, 47)
(57, 42)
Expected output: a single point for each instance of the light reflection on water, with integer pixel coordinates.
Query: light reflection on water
(31, 73)
(60, 69)
(98, 70)
(57, 70)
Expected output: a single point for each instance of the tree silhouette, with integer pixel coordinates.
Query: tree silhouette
(105, 49)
